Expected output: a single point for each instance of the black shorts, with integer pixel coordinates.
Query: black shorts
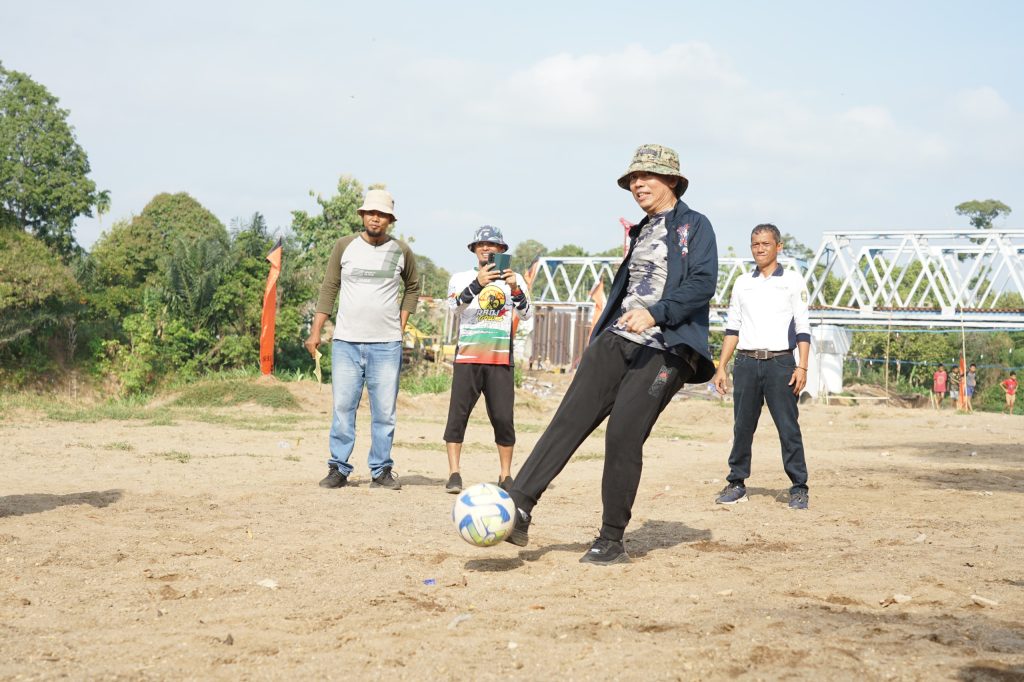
(497, 384)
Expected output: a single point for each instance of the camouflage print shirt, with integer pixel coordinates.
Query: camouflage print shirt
(648, 270)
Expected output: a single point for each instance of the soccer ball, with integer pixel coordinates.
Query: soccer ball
(483, 514)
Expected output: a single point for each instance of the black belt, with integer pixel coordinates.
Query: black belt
(764, 354)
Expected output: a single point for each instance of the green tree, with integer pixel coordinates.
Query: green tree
(136, 252)
(338, 217)
(795, 248)
(36, 289)
(102, 205)
(44, 181)
(982, 212)
(433, 278)
(525, 253)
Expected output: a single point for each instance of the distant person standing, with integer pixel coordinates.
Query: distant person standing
(364, 274)
(970, 383)
(767, 321)
(1010, 389)
(939, 385)
(954, 386)
(490, 303)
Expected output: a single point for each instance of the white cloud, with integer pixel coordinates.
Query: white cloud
(982, 104)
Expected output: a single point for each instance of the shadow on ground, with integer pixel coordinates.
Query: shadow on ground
(946, 452)
(991, 673)
(968, 479)
(20, 505)
(416, 479)
(652, 535)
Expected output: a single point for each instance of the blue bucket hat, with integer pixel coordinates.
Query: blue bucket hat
(488, 233)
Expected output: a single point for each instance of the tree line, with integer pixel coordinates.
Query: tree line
(174, 293)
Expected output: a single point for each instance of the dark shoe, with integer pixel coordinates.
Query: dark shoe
(732, 493)
(387, 479)
(505, 483)
(334, 479)
(798, 499)
(605, 553)
(519, 535)
(454, 485)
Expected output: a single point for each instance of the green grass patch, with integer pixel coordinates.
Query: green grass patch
(229, 392)
(119, 445)
(276, 422)
(426, 383)
(117, 411)
(434, 446)
(175, 456)
(588, 457)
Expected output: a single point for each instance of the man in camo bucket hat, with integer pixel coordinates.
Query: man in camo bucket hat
(654, 158)
(650, 340)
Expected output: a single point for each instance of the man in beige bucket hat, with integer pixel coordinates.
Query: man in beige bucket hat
(651, 339)
(363, 274)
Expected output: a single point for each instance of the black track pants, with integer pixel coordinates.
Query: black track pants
(628, 383)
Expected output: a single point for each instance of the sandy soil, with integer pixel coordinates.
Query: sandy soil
(145, 550)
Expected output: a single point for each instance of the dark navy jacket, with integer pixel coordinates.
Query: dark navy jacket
(682, 313)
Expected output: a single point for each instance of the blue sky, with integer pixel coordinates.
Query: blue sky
(815, 116)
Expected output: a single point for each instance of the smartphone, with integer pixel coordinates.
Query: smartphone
(490, 258)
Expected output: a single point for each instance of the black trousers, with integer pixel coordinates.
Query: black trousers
(756, 382)
(497, 383)
(631, 385)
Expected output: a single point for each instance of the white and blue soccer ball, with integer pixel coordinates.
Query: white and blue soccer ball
(483, 514)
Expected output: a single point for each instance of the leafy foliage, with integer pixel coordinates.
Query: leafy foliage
(338, 217)
(981, 213)
(44, 183)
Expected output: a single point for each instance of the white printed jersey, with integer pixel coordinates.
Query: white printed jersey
(487, 318)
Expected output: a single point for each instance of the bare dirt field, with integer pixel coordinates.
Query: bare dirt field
(196, 545)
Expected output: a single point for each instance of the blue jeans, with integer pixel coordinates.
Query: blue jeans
(756, 382)
(353, 365)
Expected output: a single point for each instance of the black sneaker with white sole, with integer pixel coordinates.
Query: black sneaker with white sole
(454, 484)
(386, 479)
(605, 553)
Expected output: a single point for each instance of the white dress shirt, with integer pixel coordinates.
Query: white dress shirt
(769, 313)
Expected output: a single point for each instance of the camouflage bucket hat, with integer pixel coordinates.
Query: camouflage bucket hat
(656, 158)
(487, 233)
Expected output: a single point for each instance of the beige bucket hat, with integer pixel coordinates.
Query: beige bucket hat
(379, 200)
(656, 158)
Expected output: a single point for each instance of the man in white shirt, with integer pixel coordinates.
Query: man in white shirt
(364, 274)
(767, 321)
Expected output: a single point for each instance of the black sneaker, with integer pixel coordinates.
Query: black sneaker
(519, 535)
(605, 553)
(505, 483)
(334, 479)
(387, 479)
(798, 499)
(454, 485)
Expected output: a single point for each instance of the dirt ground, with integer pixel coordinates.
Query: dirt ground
(197, 545)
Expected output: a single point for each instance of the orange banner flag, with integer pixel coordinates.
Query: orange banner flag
(270, 310)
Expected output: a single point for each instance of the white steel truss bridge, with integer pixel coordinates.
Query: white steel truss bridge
(935, 278)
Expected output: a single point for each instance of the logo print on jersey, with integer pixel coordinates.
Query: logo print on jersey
(492, 298)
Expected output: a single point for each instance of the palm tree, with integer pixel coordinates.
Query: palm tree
(102, 205)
